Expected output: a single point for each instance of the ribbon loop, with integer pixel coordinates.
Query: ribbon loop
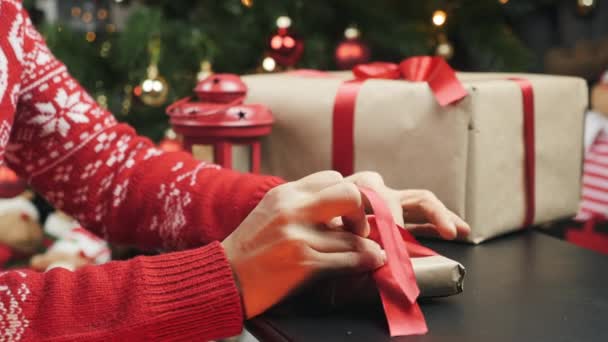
(396, 280)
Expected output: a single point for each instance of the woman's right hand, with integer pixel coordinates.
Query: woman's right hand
(285, 240)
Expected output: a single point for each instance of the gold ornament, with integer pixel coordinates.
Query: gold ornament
(585, 6)
(444, 47)
(205, 71)
(154, 89)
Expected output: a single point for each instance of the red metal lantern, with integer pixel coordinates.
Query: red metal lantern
(221, 119)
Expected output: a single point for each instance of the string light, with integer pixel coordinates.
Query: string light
(283, 22)
(439, 17)
(269, 64)
(91, 36)
(102, 14)
(87, 17)
(247, 3)
(76, 11)
(351, 32)
(585, 6)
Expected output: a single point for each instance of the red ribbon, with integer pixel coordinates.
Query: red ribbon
(435, 71)
(527, 93)
(396, 280)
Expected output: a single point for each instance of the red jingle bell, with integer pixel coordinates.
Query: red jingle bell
(221, 119)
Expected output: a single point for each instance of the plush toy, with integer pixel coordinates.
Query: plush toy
(74, 247)
(20, 233)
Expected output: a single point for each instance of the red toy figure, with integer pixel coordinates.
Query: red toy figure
(221, 119)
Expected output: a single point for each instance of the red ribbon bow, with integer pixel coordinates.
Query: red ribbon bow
(435, 71)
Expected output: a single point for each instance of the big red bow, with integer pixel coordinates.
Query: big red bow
(435, 71)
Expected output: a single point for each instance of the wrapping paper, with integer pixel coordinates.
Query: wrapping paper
(469, 153)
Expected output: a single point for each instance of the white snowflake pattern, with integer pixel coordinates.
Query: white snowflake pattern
(56, 198)
(194, 173)
(62, 173)
(119, 153)
(104, 141)
(80, 195)
(12, 319)
(3, 74)
(90, 169)
(52, 116)
(152, 152)
(105, 183)
(172, 219)
(120, 193)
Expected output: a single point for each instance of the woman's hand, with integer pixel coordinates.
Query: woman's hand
(285, 240)
(414, 209)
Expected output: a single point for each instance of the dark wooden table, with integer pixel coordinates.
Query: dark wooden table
(522, 287)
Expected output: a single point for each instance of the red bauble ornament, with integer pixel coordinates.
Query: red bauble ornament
(285, 47)
(351, 51)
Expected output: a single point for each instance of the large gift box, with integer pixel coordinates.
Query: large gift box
(503, 151)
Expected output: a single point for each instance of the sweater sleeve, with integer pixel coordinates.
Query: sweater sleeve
(112, 181)
(180, 296)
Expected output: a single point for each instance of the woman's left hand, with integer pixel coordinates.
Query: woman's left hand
(414, 209)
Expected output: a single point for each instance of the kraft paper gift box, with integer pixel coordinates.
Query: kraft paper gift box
(470, 153)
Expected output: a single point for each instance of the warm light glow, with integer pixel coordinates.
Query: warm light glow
(247, 3)
(147, 85)
(439, 17)
(503, 1)
(351, 33)
(288, 42)
(137, 91)
(91, 36)
(87, 17)
(283, 22)
(157, 86)
(76, 11)
(268, 64)
(586, 3)
(445, 50)
(102, 14)
(276, 42)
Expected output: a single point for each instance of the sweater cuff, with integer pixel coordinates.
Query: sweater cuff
(192, 294)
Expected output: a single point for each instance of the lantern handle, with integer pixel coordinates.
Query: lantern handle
(237, 101)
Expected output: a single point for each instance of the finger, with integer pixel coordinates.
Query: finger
(422, 229)
(342, 199)
(422, 203)
(350, 262)
(319, 181)
(322, 240)
(462, 227)
(374, 181)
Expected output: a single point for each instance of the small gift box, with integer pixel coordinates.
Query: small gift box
(503, 151)
(411, 271)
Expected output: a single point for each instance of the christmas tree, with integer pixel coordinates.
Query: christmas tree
(167, 43)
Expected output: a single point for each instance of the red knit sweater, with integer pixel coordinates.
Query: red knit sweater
(123, 188)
